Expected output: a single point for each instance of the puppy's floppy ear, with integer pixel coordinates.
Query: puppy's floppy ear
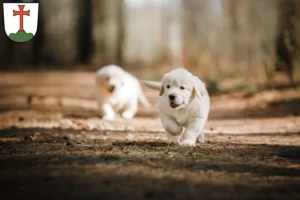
(199, 88)
(162, 90)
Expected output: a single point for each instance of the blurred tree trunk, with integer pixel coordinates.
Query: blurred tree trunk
(98, 33)
(231, 29)
(174, 37)
(60, 20)
(288, 40)
(237, 13)
(38, 40)
(121, 31)
(264, 31)
(196, 32)
(85, 39)
(250, 28)
(108, 32)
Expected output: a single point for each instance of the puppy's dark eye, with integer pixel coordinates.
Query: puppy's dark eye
(182, 88)
(168, 86)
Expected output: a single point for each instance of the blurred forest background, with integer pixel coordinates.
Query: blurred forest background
(228, 43)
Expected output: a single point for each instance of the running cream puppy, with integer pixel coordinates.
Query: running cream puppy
(117, 91)
(183, 106)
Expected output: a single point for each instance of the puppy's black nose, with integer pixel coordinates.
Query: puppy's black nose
(111, 88)
(172, 96)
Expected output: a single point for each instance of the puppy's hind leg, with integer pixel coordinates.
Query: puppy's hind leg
(130, 110)
(201, 137)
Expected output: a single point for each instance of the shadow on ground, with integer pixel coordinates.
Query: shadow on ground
(107, 170)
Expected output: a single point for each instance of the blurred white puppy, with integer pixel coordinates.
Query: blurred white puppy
(183, 106)
(118, 91)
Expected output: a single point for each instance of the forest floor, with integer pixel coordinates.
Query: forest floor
(53, 145)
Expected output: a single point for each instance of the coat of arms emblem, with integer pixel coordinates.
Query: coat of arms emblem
(20, 20)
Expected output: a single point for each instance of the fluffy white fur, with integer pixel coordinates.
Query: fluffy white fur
(183, 106)
(117, 91)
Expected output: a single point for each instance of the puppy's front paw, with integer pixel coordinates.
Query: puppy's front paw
(173, 141)
(127, 115)
(108, 117)
(188, 142)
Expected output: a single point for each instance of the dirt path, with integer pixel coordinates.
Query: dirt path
(53, 145)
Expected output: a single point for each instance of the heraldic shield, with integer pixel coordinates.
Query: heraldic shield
(20, 20)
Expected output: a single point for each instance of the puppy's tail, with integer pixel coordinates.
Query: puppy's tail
(153, 84)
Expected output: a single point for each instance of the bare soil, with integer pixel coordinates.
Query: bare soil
(53, 145)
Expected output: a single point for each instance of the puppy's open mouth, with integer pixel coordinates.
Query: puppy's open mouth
(174, 105)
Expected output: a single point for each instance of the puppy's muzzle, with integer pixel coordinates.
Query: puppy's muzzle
(172, 98)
